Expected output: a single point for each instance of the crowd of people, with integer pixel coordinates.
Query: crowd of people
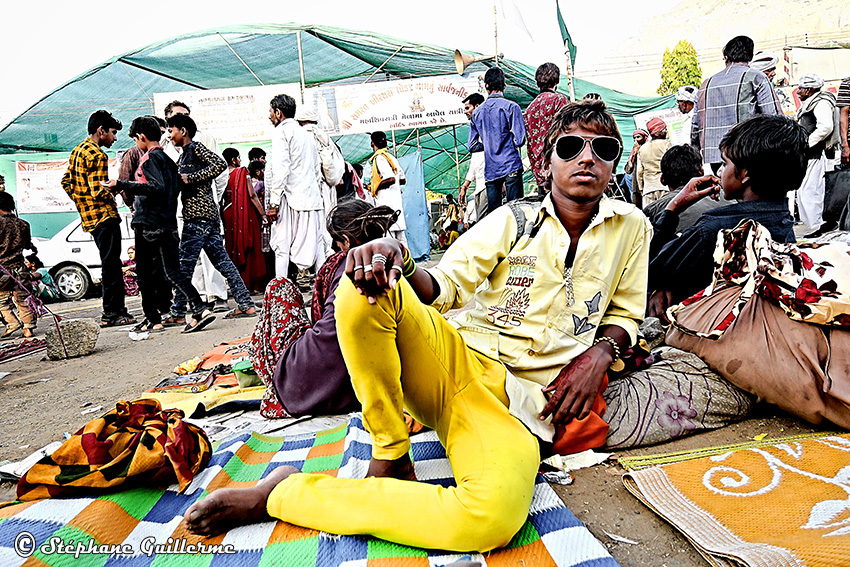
(558, 285)
(205, 227)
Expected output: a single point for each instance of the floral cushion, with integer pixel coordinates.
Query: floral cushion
(677, 394)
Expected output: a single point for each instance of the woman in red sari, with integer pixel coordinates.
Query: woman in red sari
(243, 216)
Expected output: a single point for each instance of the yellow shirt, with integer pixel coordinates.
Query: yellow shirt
(528, 312)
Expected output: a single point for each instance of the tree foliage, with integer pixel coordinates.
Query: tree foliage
(679, 67)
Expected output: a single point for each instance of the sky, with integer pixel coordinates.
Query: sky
(45, 44)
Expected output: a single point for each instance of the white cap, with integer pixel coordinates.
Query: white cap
(688, 93)
(764, 61)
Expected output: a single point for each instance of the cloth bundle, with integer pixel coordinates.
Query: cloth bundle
(770, 322)
(135, 444)
(810, 282)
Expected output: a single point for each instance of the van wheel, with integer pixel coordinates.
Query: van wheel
(72, 282)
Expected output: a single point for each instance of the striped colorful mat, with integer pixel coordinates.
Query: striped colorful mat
(145, 524)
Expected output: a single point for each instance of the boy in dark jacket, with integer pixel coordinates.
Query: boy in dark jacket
(198, 166)
(155, 223)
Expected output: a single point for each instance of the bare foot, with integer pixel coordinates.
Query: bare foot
(232, 507)
(28, 334)
(401, 468)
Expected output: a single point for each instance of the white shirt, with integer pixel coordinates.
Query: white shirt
(293, 169)
(391, 196)
(476, 171)
(823, 119)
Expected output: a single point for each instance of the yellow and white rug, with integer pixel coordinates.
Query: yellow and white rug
(786, 504)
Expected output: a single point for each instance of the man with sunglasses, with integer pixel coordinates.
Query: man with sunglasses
(497, 127)
(557, 298)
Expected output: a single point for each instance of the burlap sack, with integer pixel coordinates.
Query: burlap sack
(800, 367)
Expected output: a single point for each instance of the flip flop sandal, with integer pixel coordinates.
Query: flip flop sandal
(232, 314)
(146, 327)
(201, 323)
(170, 320)
(120, 321)
(9, 332)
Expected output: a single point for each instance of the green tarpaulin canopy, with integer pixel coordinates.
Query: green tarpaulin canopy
(126, 84)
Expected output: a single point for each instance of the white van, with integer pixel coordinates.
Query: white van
(72, 257)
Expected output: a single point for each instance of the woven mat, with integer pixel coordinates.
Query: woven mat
(551, 536)
(786, 504)
(15, 350)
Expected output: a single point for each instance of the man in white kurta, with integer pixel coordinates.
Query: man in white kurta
(296, 210)
(815, 116)
(308, 119)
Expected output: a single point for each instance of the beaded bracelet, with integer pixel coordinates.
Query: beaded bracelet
(613, 344)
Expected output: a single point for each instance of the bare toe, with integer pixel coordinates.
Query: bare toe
(231, 507)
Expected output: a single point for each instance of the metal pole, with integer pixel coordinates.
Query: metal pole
(384, 63)
(496, 30)
(395, 150)
(570, 72)
(457, 158)
(300, 63)
(240, 59)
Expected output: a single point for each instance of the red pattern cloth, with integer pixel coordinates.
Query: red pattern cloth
(243, 231)
(324, 283)
(538, 116)
(283, 321)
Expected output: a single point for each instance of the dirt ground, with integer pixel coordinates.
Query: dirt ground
(42, 399)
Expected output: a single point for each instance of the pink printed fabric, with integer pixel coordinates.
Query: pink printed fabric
(282, 321)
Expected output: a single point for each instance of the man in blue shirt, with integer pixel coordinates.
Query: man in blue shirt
(498, 128)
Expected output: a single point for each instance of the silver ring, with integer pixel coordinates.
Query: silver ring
(399, 268)
(358, 267)
(367, 268)
(379, 258)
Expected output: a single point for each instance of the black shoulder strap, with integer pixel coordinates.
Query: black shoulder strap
(523, 225)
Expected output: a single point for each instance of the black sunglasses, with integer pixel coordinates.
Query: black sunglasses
(605, 148)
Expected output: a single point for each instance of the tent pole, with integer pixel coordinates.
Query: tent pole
(412, 133)
(444, 150)
(300, 63)
(240, 59)
(381, 66)
(457, 158)
(161, 74)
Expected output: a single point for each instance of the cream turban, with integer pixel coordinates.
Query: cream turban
(811, 81)
(764, 61)
(688, 93)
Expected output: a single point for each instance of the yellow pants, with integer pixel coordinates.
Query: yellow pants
(401, 353)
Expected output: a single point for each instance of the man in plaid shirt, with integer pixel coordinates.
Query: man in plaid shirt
(730, 96)
(98, 211)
